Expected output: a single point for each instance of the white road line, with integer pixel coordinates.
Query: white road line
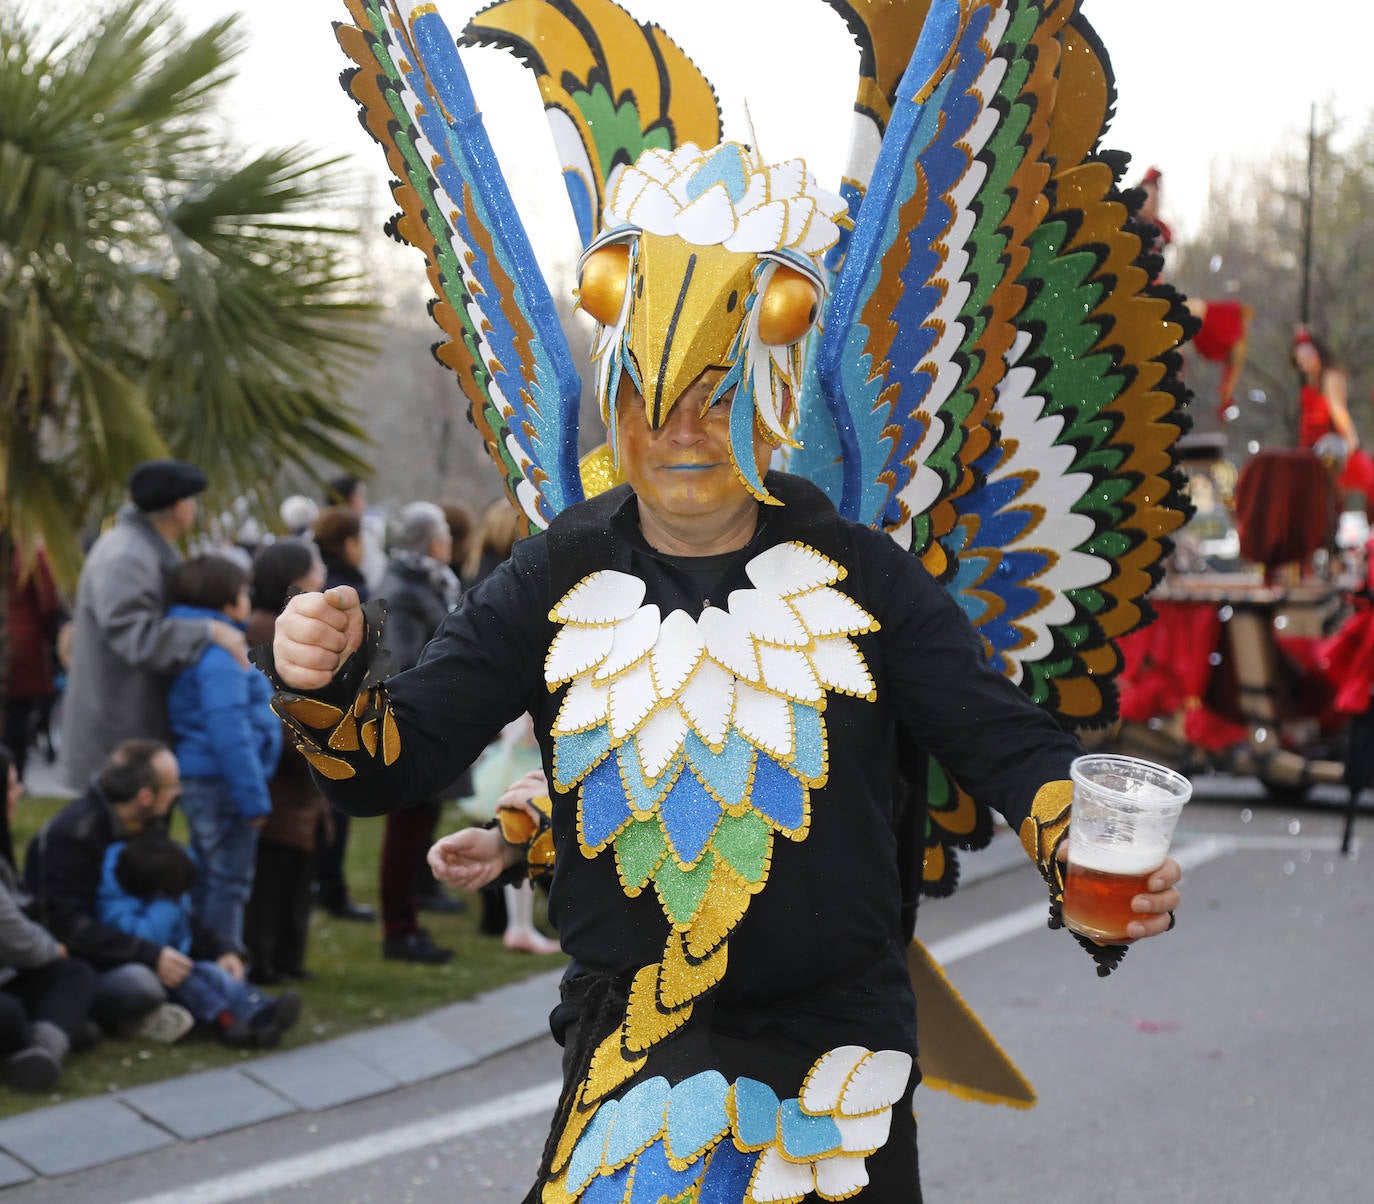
(1204, 849)
(346, 1155)
(1318, 842)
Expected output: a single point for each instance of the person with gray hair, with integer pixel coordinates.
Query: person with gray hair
(418, 524)
(420, 589)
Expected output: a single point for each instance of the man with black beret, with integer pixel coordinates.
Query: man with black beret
(124, 649)
(157, 485)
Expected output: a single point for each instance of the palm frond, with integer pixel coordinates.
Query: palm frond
(158, 292)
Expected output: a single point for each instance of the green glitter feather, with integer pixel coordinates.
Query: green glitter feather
(639, 850)
(744, 843)
(683, 890)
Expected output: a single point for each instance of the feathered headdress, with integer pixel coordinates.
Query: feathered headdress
(990, 373)
(710, 260)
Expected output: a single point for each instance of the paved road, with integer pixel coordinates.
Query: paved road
(1231, 1061)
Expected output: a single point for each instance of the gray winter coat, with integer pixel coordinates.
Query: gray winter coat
(124, 649)
(24, 943)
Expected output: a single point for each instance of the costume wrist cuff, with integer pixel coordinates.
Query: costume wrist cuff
(349, 721)
(1042, 832)
(518, 828)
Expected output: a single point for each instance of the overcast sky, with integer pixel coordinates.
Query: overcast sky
(1201, 83)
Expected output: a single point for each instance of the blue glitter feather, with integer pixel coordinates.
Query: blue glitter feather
(725, 773)
(638, 1119)
(576, 753)
(777, 794)
(644, 793)
(806, 1136)
(604, 809)
(689, 816)
(808, 739)
(726, 166)
(583, 204)
(609, 1189)
(656, 1181)
(727, 1175)
(696, 1114)
(756, 1113)
(818, 458)
(588, 1154)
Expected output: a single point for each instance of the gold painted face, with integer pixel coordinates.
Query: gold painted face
(669, 311)
(709, 259)
(683, 468)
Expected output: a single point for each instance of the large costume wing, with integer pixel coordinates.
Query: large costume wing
(886, 34)
(613, 87)
(505, 341)
(997, 367)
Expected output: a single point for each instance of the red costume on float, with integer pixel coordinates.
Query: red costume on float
(1314, 422)
(1223, 336)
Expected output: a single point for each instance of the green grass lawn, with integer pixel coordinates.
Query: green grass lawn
(353, 987)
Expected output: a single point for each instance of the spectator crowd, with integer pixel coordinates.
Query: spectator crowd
(142, 691)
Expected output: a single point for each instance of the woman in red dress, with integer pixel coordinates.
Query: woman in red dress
(1324, 411)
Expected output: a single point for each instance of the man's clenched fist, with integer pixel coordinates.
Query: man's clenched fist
(315, 634)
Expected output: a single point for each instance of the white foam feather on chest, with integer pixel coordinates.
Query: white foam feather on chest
(655, 678)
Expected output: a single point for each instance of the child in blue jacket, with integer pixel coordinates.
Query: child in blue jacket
(227, 741)
(145, 886)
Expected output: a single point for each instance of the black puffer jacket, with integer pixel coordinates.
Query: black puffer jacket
(415, 607)
(62, 872)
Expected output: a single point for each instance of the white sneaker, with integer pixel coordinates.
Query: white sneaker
(166, 1024)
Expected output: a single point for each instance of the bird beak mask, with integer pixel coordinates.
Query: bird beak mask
(709, 261)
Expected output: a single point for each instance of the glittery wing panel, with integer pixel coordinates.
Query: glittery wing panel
(997, 366)
(885, 32)
(1060, 532)
(956, 189)
(504, 339)
(613, 87)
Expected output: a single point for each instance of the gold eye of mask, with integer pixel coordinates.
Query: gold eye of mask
(605, 276)
(788, 307)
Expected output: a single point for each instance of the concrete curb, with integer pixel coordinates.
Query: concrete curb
(39, 1144)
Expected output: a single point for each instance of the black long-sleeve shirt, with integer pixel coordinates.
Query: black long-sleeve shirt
(829, 910)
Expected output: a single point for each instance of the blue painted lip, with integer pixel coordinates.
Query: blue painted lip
(690, 467)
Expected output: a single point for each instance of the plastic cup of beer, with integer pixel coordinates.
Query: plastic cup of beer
(1123, 818)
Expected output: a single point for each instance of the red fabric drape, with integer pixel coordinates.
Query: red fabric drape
(1347, 660)
(1285, 507)
(1167, 668)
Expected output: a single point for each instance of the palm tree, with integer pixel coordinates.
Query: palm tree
(157, 294)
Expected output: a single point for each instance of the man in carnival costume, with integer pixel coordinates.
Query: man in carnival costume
(724, 675)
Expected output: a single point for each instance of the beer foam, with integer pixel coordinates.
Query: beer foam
(1149, 795)
(1118, 859)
